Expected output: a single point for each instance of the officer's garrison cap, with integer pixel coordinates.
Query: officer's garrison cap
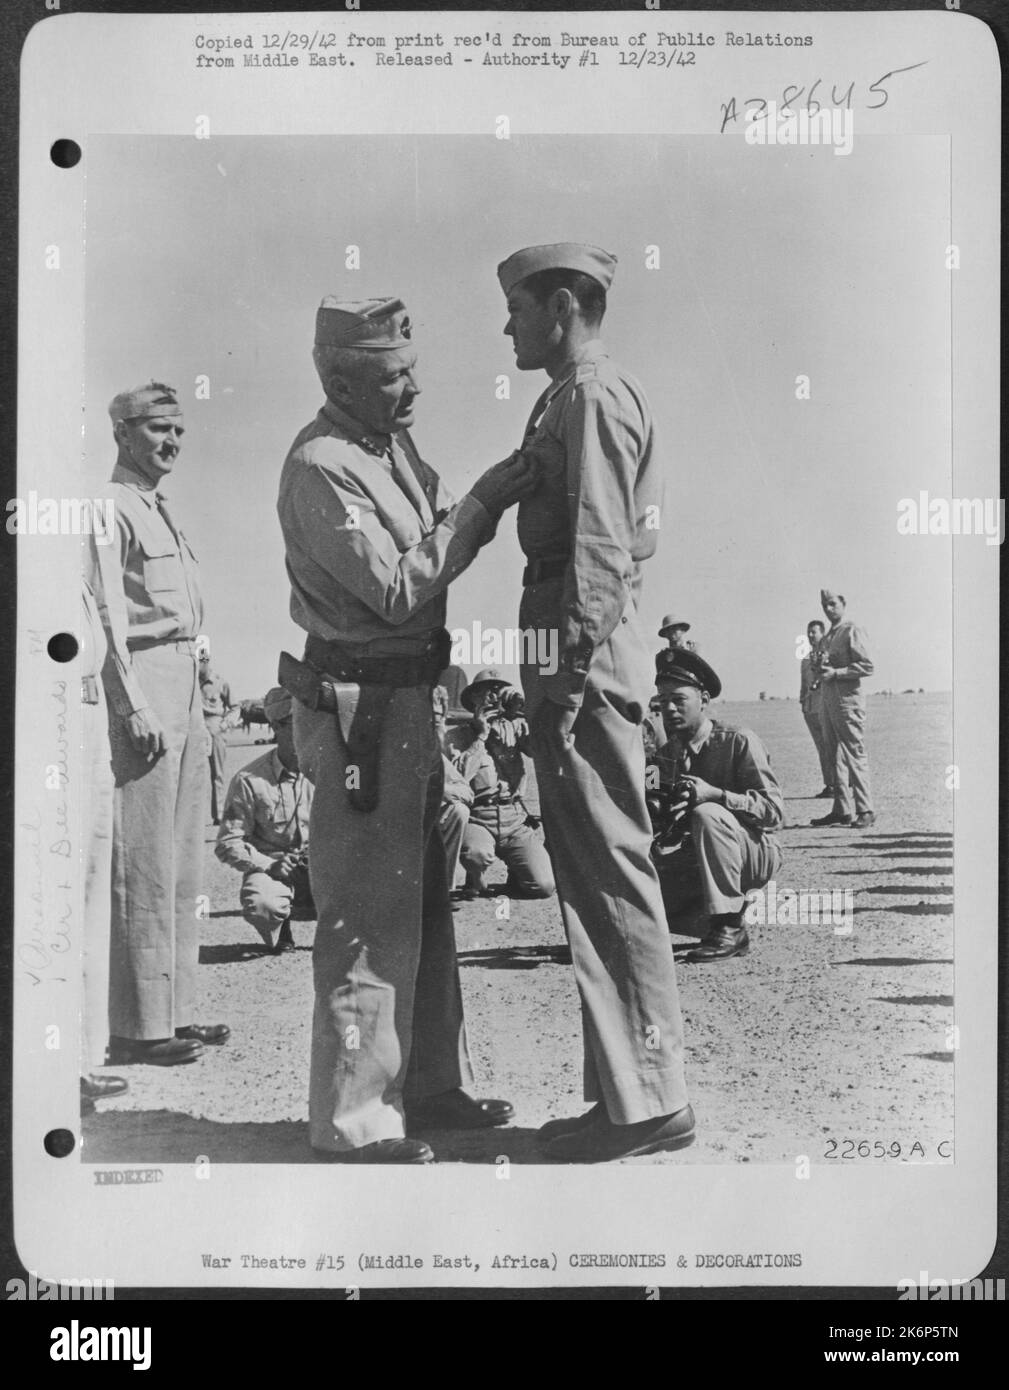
(146, 402)
(377, 325)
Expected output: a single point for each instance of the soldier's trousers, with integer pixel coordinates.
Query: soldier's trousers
(157, 853)
(815, 726)
(454, 818)
(267, 903)
(843, 717)
(388, 1019)
(598, 833)
(98, 792)
(726, 858)
(218, 752)
(501, 832)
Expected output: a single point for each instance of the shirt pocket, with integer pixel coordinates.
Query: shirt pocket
(162, 565)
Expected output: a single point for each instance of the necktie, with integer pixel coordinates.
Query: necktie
(407, 481)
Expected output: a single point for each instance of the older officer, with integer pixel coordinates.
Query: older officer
(585, 534)
(158, 749)
(811, 702)
(720, 778)
(847, 662)
(373, 541)
(264, 833)
(98, 790)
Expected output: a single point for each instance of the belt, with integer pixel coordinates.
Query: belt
(143, 644)
(89, 690)
(551, 567)
(340, 663)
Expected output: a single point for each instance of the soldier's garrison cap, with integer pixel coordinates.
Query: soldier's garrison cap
(276, 704)
(378, 325)
(683, 667)
(827, 594)
(559, 255)
(145, 402)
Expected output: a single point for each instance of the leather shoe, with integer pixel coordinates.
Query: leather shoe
(828, 793)
(864, 819)
(831, 819)
(603, 1141)
(571, 1125)
(213, 1033)
(157, 1052)
(383, 1151)
(101, 1087)
(722, 942)
(285, 939)
(456, 1110)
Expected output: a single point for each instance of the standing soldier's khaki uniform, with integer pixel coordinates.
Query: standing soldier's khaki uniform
(843, 717)
(585, 535)
(157, 857)
(215, 697)
(811, 704)
(373, 541)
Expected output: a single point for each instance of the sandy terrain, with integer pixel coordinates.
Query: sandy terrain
(814, 1037)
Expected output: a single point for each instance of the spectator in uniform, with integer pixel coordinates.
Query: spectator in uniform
(264, 833)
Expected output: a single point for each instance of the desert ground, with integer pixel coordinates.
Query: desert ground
(818, 1041)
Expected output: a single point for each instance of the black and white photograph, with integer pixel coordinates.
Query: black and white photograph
(508, 527)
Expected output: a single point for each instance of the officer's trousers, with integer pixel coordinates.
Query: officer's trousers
(815, 726)
(157, 853)
(388, 1021)
(98, 791)
(843, 717)
(598, 833)
(218, 753)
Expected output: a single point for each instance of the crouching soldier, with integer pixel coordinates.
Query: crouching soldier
(264, 833)
(719, 787)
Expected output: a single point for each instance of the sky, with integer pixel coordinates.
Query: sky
(209, 258)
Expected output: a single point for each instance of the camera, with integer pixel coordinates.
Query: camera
(670, 827)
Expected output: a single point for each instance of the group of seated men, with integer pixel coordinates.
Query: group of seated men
(716, 806)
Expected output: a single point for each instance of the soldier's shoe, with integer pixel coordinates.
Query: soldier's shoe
(456, 1110)
(831, 819)
(214, 1033)
(102, 1087)
(285, 939)
(827, 794)
(864, 819)
(154, 1052)
(723, 941)
(602, 1141)
(554, 1128)
(383, 1151)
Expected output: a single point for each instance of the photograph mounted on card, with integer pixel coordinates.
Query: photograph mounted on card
(494, 752)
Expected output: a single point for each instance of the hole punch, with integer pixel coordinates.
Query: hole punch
(62, 646)
(65, 153)
(59, 1143)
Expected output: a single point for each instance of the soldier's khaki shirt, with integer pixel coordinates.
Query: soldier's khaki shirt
(848, 653)
(372, 540)
(735, 761)
(597, 503)
(152, 572)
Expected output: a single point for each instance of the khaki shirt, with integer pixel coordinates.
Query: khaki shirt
(373, 538)
(848, 653)
(495, 771)
(215, 694)
(735, 761)
(265, 815)
(151, 583)
(810, 699)
(592, 434)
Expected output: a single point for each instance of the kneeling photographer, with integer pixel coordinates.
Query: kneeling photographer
(490, 754)
(716, 809)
